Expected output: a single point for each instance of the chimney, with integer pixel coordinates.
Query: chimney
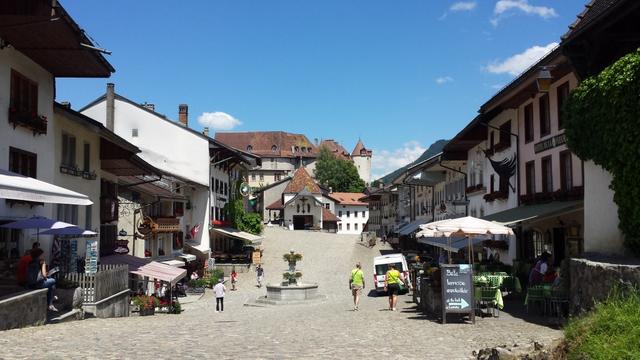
(149, 106)
(205, 131)
(330, 190)
(66, 104)
(183, 114)
(110, 105)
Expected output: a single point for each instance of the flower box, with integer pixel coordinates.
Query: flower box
(33, 121)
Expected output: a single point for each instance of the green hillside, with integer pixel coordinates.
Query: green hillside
(434, 149)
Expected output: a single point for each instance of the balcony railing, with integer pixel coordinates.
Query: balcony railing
(575, 193)
(75, 171)
(37, 123)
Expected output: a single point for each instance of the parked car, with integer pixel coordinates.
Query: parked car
(381, 265)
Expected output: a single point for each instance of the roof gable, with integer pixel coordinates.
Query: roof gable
(302, 181)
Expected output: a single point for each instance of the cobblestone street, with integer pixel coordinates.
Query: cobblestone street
(329, 329)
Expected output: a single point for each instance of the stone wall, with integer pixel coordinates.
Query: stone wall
(26, 309)
(592, 281)
(116, 305)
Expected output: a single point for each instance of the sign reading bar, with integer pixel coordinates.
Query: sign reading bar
(457, 290)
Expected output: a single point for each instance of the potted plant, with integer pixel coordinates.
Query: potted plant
(292, 258)
(291, 277)
(146, 304)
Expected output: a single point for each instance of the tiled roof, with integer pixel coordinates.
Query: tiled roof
(270, 143)
(328, 216)
(592, 11)
(360, 150)
(276, 205)
(335, 148)
(348, 198)
(302, 181)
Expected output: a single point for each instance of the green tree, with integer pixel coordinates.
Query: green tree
(341, 175)
(602, 124)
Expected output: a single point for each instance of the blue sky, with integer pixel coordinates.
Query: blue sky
(398, 74)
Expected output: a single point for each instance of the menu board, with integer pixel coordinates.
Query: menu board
(91, 258)
(457, 290)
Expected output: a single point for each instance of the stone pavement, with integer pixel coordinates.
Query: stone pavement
(325, 330)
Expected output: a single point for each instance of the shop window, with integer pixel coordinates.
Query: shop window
(67, 213)
(530, 177)
(88, 217)
(505, 135)
(545, 121)
(87, 157)
(566, 174)
(528, 123)
(68, 151)
(24, 94)
(23, 162)
(562, 96)
(547, 175)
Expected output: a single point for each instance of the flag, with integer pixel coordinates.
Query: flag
(194, 231)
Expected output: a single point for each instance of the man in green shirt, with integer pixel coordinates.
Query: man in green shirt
(356, 284)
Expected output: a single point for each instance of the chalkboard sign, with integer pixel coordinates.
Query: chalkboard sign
(457, 290)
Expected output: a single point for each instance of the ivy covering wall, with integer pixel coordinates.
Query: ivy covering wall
(602, 117)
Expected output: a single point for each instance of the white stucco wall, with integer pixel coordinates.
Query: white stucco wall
(23, 138)
(363, 164)
(291, 210)
(164, 144)
(492, 207)
(355, 217)
(602, 235)
(91, 188)
(527, 152)
(171, 148)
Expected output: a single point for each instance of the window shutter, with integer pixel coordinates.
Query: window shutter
(72, 150)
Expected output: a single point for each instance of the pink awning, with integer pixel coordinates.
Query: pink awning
(161, 272)
(146, 267)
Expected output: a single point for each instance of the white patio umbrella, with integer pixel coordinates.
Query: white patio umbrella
(37, 222)
(70, 230)
(465, 226)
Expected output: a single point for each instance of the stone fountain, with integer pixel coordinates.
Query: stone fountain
(292, 290)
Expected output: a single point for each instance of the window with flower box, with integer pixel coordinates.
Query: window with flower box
(23, 104)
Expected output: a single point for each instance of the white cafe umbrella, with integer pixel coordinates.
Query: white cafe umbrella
(70, 230)
(464, 226)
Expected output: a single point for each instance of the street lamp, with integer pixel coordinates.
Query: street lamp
(544, 79)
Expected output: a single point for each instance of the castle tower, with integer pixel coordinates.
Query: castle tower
(361, 157)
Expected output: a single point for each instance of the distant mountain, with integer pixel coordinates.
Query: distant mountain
(434, 149)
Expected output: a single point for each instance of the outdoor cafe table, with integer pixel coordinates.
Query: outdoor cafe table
(497, 279)
(479, 283)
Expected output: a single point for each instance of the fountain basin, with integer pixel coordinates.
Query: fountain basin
(278, 294)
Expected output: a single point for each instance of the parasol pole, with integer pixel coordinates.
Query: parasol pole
(449, 247)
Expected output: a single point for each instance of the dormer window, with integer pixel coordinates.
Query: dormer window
(274, 148)
(296, 149)
(304, 149)
(249, 148)
(309, 149)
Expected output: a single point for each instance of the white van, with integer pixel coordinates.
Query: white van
(381, 265)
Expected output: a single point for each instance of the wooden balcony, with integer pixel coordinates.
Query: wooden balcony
(167, 225)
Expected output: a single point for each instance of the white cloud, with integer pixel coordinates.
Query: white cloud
(218, 120)
(516, 64)
(497, 86)
(443, 79)
(463, 6)
(385, 161)
(507, 7)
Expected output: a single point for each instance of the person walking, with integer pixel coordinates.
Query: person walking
(234, 279)
(356, 284)
(392, 285)
(219, 290)
(259, 274)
